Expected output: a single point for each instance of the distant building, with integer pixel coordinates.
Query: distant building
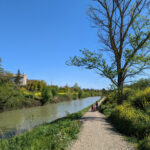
(23, 80)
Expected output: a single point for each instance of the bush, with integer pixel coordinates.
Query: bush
(46, 95)
(86, 94)
(145, 144)
(131, 121)
(111, 98)
(80, 94)
(107, 108)
(74, 95)
(141, 99)
(13, 98)
(54, 91)
(127, 92)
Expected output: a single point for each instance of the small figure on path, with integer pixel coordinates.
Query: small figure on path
(94, 107)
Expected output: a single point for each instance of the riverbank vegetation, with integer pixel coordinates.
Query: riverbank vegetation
(13, 95)
(132, 118)
(54, 136)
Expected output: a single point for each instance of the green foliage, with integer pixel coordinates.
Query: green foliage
(107, 109)
(53, 136)
(141, 99)
(145, 144)
(64, 89)
(54, 90)
(104, 92)
(133, 117)
(46, 95)
(76, 88)
(13, 98)
(111, 97)
(131, 121)
(80, 94)
(109, 104)
(35, 85)
(140, 84)
(18, 78)
(74, 95)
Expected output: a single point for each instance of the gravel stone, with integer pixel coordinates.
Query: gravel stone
(98, 134)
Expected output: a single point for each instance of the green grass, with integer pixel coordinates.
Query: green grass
(51, 136)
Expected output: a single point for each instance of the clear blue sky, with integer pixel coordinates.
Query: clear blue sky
(38, 36)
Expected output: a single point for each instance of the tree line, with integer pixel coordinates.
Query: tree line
(14, 95)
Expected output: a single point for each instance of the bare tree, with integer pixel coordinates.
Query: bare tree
(124, 31)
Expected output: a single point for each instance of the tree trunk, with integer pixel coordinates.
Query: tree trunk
(120, 89)
(120, 95)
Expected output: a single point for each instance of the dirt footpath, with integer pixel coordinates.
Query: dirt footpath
(98, 134)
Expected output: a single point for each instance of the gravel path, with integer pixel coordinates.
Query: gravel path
(98, 134)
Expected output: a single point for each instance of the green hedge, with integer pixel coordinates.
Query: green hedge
(131, 121)
(141, 99)
(145, 144)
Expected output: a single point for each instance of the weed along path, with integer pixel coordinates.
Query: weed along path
(98, 134)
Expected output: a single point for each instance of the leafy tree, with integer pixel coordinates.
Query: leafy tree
(18, 78)
(104, 92)
(125, 36)
(46, 94)
(80, 94)
(76, 87)
(35, 85)
(54, 90)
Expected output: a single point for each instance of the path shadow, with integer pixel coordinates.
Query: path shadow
(102, 119)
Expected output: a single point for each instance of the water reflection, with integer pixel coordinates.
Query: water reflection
(17, 121)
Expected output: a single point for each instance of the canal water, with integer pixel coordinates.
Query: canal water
(17, 121)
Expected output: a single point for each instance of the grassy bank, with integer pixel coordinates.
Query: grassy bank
(132, 118)
(54, 136)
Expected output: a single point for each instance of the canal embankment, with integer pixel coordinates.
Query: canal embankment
(55, 135)
(16, 122)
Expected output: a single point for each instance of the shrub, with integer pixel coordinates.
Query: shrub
(145, 144)
(127, 92)
(111, 98)
(86, 94)
(107, 108)
(141, 99)
(46, 95)
(80, 94)
(13, 98)
(74, 95)
(131, 121)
